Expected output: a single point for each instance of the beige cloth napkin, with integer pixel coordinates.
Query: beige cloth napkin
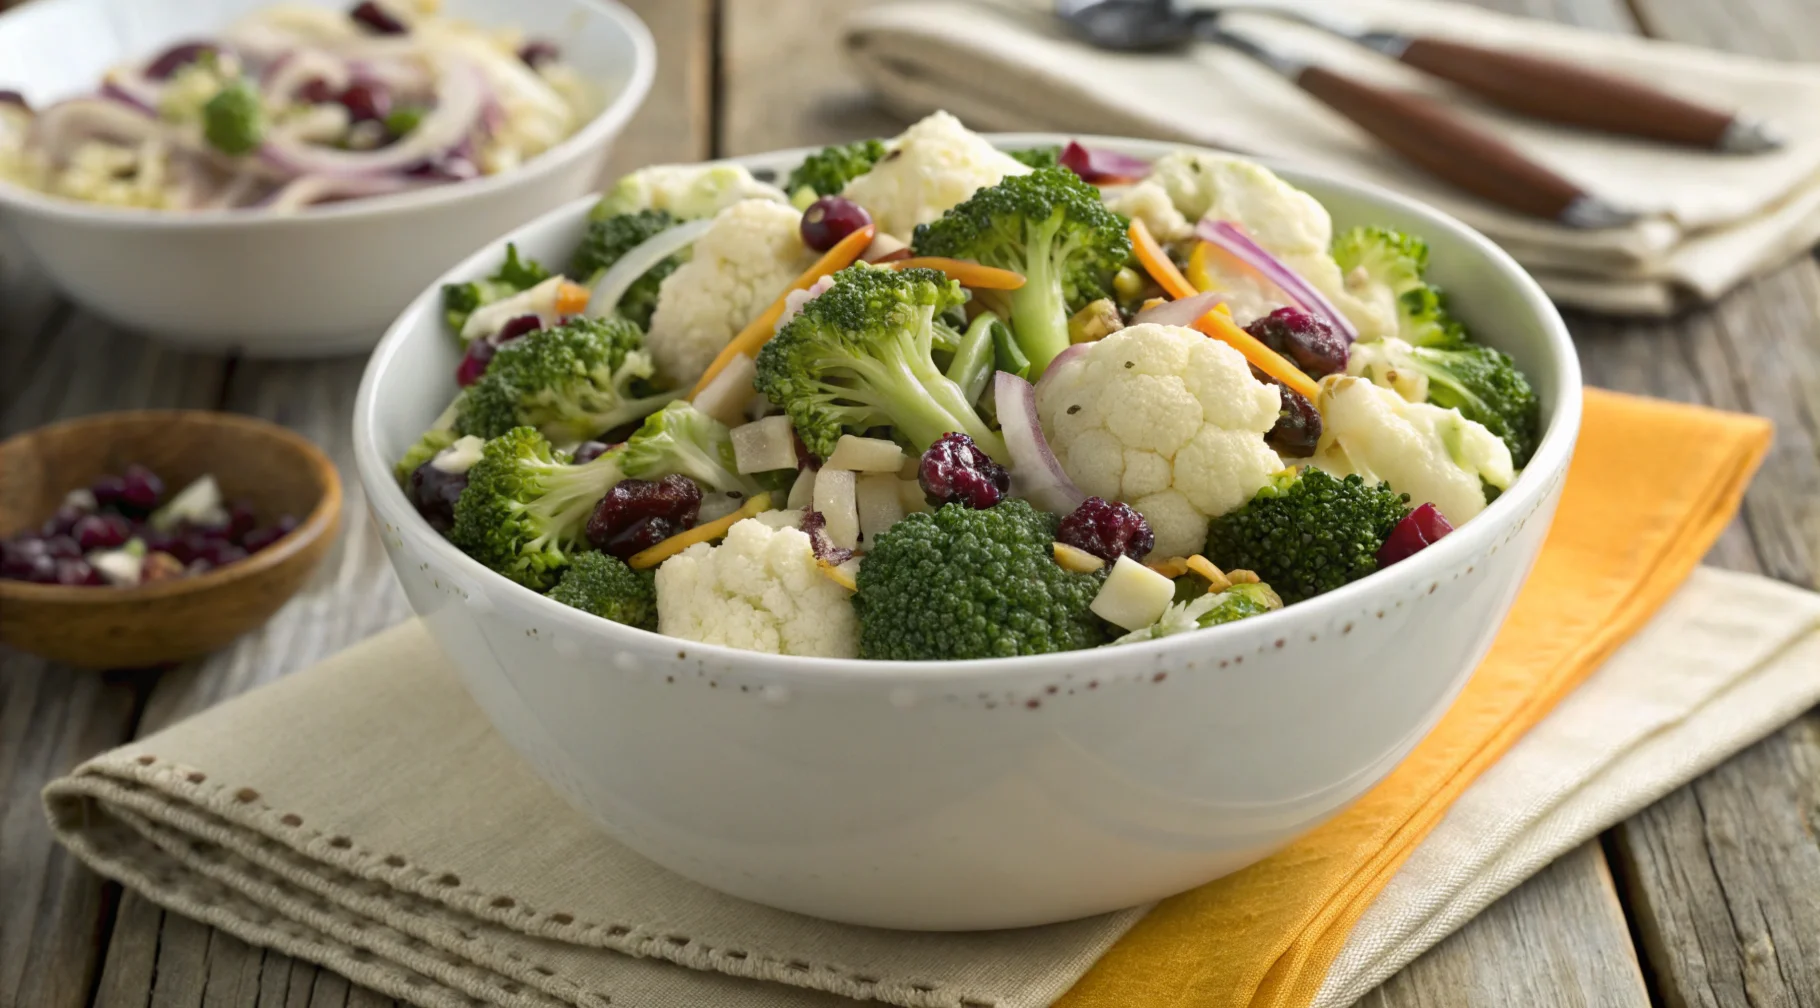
(1712, 220)
(363, 815)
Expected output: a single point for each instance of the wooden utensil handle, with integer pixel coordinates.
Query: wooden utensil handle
(1447, 146)
(1563, 92)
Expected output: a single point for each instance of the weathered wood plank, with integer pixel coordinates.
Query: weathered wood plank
(1721, 876)
(782, 80)
(132, 956)
(1557, 919)
(56, 363)
(675, 123)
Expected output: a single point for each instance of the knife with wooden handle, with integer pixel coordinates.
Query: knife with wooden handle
(1433, 137)
(1575, 95)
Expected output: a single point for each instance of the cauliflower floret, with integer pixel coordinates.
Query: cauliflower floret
(746, 259)
(930, 167)
(687, 191)
(760, 590)
(1434, 455)
(1287, 222)
(1168, 421)
(1149, 202)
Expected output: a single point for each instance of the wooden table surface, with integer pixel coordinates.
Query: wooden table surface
(1709, 898)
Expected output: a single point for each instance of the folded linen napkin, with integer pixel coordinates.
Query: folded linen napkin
(363, 815)
(1711, 220)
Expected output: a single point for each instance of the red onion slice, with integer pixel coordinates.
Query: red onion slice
(460, 95)
(1036, 476)
(1096, 165)
(1183, 311)
(131, 89)
(637, 262)
(294, 69)
(61, 127)
(1235, 241)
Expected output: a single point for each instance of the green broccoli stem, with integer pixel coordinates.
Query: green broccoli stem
(1039, 309)
(588, 425)
(921, 401)
(569, 495)
(972, 364)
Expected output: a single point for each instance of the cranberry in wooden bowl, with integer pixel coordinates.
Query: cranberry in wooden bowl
(233, 579)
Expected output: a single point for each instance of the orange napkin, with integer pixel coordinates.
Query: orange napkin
(1651, 486)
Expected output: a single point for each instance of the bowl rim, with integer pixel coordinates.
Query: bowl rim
(601, 128)
(321, 518)
(1548, 463)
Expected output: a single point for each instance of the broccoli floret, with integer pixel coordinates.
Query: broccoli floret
(525, 510)
(682, 439)
(963, 583)
(860, 356)
(1202, 609)
(610, 238)
(1037, 157)
(232, 121)
(1051, 227)
(571, 382)
(1398, 261)
(828, 170)
(602, 584)
(1482, 383)
(1306, 532)
(514, 275)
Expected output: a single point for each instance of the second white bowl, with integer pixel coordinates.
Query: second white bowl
(322, 282)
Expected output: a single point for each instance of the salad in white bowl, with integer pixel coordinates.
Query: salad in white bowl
(930, 400)
(294, 105)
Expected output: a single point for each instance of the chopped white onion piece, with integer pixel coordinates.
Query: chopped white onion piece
(764, 445)
(1133, 596)
(836, 498)
(490, 318)
(880, 506)
(802, 492)
(459, 456)
(725, 397)
(864, 454)
(619, 277)
(196, 504)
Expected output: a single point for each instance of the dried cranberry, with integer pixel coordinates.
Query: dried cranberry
(101, 532)
(830, 219)
(62, 520)
(177, 57)
(241, 520)
(638, 514)
(1419, 530)
(40, 569)
(1306, 340)
(1107, 529)
(76, 571)
(219, 553)
(141, 490)
(1298, 426)
(588, 451)
(376, 18)
(816, 528)
(434, 493)
(955, 471)
(537, 52)
(62, 547)
(474, 362)
(108, 491)
(20, 557)
(260, 538)
(445, 168)
(365, 100)
(518, 326)
(317, 91)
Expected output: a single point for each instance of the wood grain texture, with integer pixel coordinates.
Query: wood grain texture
(675, 122)
(782, 82)
(1567, 916)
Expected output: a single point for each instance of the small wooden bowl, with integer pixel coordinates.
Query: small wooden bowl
(102, 627)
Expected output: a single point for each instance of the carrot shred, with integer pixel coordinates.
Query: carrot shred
(970, 274)
(653, 555)
(571, 298)
(1157, 263)
(1216, 323)
(758, 332)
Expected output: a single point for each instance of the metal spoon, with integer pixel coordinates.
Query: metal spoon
(1420, 129)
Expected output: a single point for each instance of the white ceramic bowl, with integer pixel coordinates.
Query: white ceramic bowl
(321, 282)
(983, 794)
